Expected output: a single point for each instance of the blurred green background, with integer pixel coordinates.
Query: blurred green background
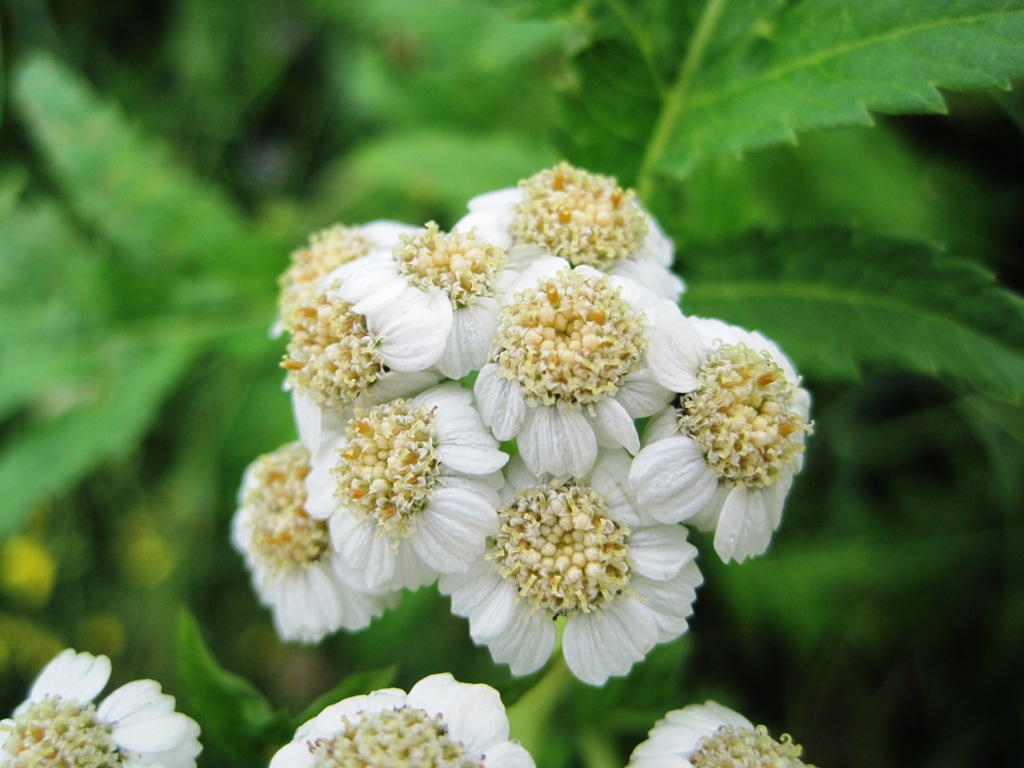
(158, 163)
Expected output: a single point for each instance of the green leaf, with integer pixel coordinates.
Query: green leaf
(51, 455)
(823, 63)
(127, 187)
(355, 684)
(836, 303)
(227, 707)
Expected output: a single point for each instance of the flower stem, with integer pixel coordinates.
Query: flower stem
(676, 98)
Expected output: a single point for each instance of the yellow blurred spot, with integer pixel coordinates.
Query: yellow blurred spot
(27, 570)
(101, 633)
(149, 560)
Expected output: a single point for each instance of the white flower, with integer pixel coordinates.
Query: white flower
(709, 735)
(338, 358)
(452, 277)
(723, 456)
(327, 250)
(307, 585)
(582, 217)
(410, 488)
(578, 356)
(59, 725)
(582, 549)
(440, 723)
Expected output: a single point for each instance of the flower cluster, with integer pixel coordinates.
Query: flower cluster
(467, 406)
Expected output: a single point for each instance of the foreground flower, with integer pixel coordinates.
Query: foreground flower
(307, 585)
(450, 276)
(584, 218)
(60, 726)
(338, 358)
(410, 488)
(440, 723)
(709, 735)
(327, 250)
(582, 549)
(723, 456)
(577, 357)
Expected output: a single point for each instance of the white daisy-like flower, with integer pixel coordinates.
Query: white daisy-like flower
(410, 488)
(327, 250)
(582, 217)
(338, 358)
(453, 277)
(724, 454)
(578, 355)
(440, 723)
(579, 548)
(59, 725)
(309, 588)
(709, 735)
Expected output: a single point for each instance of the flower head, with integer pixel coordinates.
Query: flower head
(584, 218)
(582, 549)
(709, 735)
(440, 722)
(724, 454)
(410, 487)
(577, 356)
(296, 572)
(59, 725)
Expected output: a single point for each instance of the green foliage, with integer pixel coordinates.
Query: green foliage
(837, 302)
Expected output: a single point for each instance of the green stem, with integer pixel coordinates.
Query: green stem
(676, 98)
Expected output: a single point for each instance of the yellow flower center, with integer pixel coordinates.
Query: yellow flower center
(736, 747)
(571, 339)
(332, 355)
(742, 414)
(406, 737)
(580, 216)
(328, 249)
(284, 535)
(458, 264)
(560, 547)
(388, 468)
(59, 733)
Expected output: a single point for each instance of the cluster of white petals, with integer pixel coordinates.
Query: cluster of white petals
(545, 325)
(59, 725)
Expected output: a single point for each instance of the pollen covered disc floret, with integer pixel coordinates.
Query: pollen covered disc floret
(561, 549)
(464, 268)
(571, 339)
(582, 217)
(55, 732)
(405, 737)
(730, 746)
(332, 354)
(389, 466)
(283, 534)
(743, 416)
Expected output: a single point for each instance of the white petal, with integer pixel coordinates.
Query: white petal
(501, 403)
(453, 530)
(675, 351)
(558, 441)
(672, 480)
(526, 643)
(410, 570)
(370, 284)
(744, 526)
(474, 714)
(508, 754)
(473, 329)
(651, 275)
(320, 487)
(483, 597)
(307, 419)
(670, 602)
(641, 395)
(413, 336)
(608, 642)
(294, 755)
(70, 675)
(610, 478)
(143, 719)
(614, 427)
(659, 551)
(665, 423)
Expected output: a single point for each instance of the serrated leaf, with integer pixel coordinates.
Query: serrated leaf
(126, 186)
(824, 63)
(837, 303)
(355, 684)
(227, 707)
(49, 456)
